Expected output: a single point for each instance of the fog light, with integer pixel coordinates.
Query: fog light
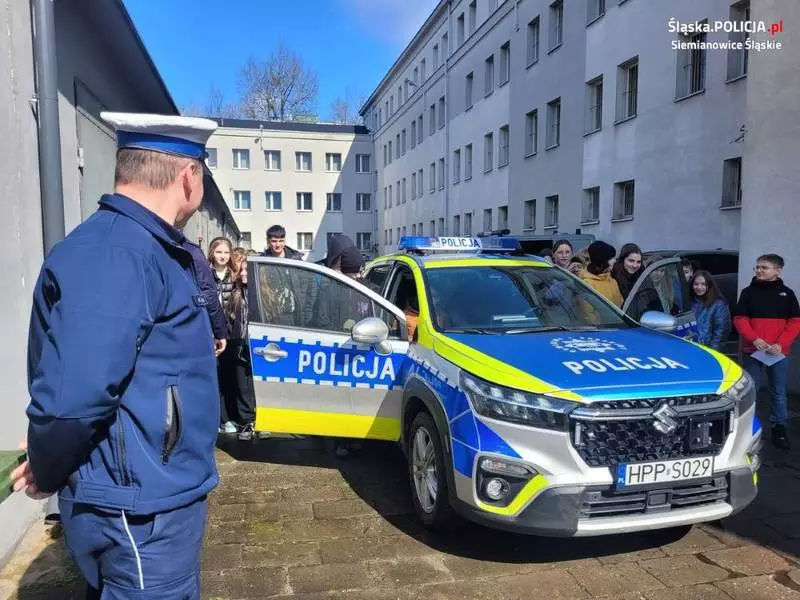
(501, 467)
(496, 489)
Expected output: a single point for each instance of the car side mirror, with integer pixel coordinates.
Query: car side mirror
(374, 332)
(660, 321)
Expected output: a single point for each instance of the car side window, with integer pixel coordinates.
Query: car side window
(376, 276)
(663, 290)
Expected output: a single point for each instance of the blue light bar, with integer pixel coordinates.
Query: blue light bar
(458, 244)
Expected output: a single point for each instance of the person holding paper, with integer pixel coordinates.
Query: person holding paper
(767, 317)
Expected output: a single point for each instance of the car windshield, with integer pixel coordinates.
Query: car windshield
(509, 300)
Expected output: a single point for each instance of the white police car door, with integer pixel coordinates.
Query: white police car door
(662, 287)
(310, 376)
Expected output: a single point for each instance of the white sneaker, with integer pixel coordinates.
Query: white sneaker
(229, 427)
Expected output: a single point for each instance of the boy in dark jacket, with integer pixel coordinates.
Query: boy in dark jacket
(767, 317)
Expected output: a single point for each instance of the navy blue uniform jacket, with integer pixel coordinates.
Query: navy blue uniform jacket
(208, 287)
(121, 369)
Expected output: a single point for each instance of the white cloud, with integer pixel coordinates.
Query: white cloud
(396, 20)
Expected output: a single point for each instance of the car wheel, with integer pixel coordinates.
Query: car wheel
(427, 473)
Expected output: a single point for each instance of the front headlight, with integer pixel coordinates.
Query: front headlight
(743, 393)
(506, 404)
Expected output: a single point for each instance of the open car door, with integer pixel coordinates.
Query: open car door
(327, 352)
(662, 288)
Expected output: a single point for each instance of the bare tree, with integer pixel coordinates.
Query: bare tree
(278, 88)
(217, 106)
(344, 109)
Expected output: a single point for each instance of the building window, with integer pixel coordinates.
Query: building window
(529, 216)
(460, 30)
(241, 159)
(505, 63)
(553, 123)
(441, 174)
(397, 146)
(590, 212)
(623, 200)
(304, 202)
(272, 160)
(435, 56)
(334, 202)
(405, 191)
(362, 163)
(594, 105)
(457, 225)
(533, 41)
(468, 91)
(211, 159)
(364, 240)
(273, 201)
(445, 48)
(403, 141)
(416, 76)
(420, 184)
(732, 183)
(489, 75)
(502, 159)
(441, 113)
(413, 134)
(432, 119)
(390, 152)
(433, 178)
(333, 162)
(456, 166)
(488, 152)
(422, 69)
(414, 185)
(247, 240)
(502, 217)
(385, 198)
(303, 161)
(305, 241)
(738, 58)
(551, 212)
(487, 219)
(594, 10)
(419, 130)
(413, 229)
(384, 156)
(473, 10)
(391, 104)
(691, 76)
(556, 24)
(468, 224)
(531, 133)
(627, 89)
(441, 227)
(241, 200)
(420, 229)
(468, 162)
(390, 196)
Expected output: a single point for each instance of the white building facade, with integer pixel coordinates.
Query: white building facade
(313, 179)
(548, 117)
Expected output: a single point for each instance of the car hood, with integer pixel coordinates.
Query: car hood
(595, 365)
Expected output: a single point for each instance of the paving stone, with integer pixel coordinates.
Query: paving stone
(750, 560)
(339, 509)
(222, 556)
(468, 568)
(693, 542)
(326, 529)
(410, 571)
(357, 549)
(228, 496)
(550, 585)
(606, 580)
(677, 571)
(288, 554)
(320, 578)
(632, 556)
(313, 494)
(695, 592)
(257, 582)
(757, 588)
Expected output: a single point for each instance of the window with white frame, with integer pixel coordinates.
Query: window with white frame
(594, 10)
(433, 178)
(422, 73)
(590, 211)
(623, 199)
(362, 163)
(385, 162)
(435, 56)
(390, 196)
(432, 225)
(445, 48)
(420, 183)
(529, 215)
(413, 185)
(473, 12)
(732, 183)
(627, 89)
(405, 89)
(470, 81)
(364, 240)
(385, 198)
(531, 133)
(487, 219)
(457, 225)
(467, 224)
(399, 194)
(502, 217)
(456, 166)
(413, 133)
(390, 151)
(397, 146)
(505, 63)
(551, 212)
(488, 152)
(273, 201)
(556, 24)
(211, 159)
(405, 191)
(460, 29)
(553, 123)
(488, 77)
(440, 230)
(420, 229)
(533, 41)
(738, 56)
(594, 105)
(333, 162)
(305, 241)
(442, 178)
(304, 202)
(441, 113)
(272, 160)
(691, 75)
(302, 161)
(241, 159)
(391, 104)
(467, 162)
(420, 133)
(363, 202)
(413, 229)
(241, 200)
(416, 75)
(502, 158)
(432, 119)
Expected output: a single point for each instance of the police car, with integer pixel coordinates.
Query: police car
(522, 399)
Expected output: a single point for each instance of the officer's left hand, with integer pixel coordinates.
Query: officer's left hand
(775, 349)
(219, 346)
(22, 479)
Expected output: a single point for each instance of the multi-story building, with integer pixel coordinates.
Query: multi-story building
(314, 179)
(548, 116)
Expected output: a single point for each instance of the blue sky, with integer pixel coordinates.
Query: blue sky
(350, 43)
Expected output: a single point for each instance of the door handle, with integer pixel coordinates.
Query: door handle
(271, 352)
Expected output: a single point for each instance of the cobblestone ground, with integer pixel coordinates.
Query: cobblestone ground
(291, 520)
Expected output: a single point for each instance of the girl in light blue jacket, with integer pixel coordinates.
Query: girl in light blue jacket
(711, 311)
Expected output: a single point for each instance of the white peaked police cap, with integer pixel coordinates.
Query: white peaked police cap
(169, 134)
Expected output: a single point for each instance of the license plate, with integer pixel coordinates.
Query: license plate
(664, 471)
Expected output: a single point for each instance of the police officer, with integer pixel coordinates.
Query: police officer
(122, 375)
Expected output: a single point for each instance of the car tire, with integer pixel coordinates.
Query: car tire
(427, 474)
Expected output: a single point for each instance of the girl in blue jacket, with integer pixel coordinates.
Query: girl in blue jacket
(711, 311)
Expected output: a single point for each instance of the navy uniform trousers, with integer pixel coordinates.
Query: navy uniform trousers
(130, 556)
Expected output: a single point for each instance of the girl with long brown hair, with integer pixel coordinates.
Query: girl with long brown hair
(710, 310)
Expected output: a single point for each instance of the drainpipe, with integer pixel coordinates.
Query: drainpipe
(450, 40)
(44, 52)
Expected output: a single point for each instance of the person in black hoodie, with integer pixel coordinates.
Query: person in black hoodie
(767, 317)
(338, 308)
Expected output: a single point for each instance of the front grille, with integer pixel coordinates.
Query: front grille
(610, 503)
(675, 402)
(608, 442)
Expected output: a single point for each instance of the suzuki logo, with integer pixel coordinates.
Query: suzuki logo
(665, 419)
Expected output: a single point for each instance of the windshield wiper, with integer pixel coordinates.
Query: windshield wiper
(477, 330)
(546, 328)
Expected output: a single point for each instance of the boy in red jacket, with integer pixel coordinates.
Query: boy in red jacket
(768, 319)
